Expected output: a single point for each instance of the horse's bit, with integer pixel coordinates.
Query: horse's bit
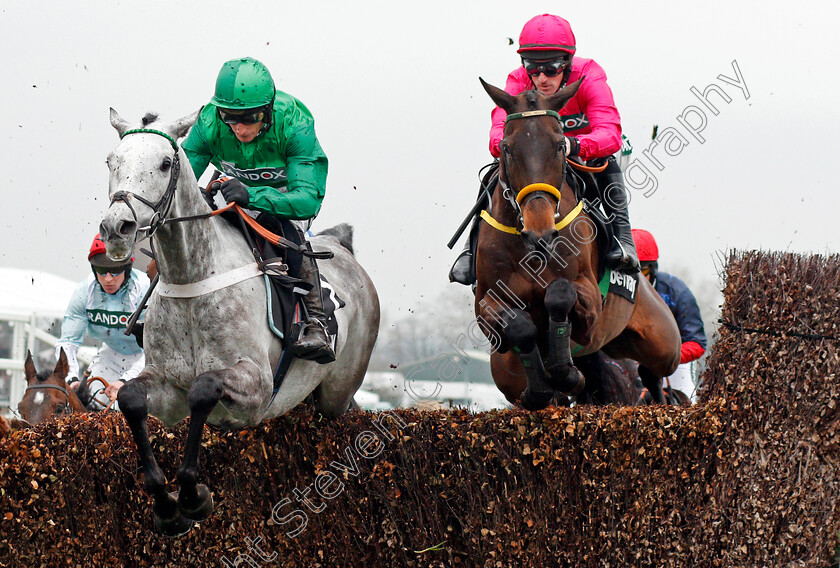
(161, 208)
(56, 387)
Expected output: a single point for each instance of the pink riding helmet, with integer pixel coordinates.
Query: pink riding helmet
(546, 32)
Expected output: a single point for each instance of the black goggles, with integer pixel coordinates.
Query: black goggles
(101, 270)
(550, 68)
(250, 116)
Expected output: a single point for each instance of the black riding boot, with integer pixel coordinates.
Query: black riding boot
(314, 343)
(463, 271)
(622, 254)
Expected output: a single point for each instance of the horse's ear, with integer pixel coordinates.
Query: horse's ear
(559, 99)
(181, 126)
(29, 366)
(118, 123)
(19, 424)
(61, 367)
(502, 99)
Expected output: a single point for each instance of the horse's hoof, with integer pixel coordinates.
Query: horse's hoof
(199, 510)
(535, 400)
(561, 399)
(574, 383)
(174, 527)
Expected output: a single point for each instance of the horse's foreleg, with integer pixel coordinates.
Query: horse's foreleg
(560, 298)
(521, 332)
(653, 384)
(133, 403)
(194, 500)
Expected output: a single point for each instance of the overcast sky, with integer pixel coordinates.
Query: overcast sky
(404, 121)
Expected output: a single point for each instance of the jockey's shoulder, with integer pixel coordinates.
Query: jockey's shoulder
(140, 278)
(590, 68)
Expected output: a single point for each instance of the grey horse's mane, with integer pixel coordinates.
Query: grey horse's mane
(344, 233)
(150, 118)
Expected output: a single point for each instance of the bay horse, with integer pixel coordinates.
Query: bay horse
(47, 394)
(537, 297)
(211, 355)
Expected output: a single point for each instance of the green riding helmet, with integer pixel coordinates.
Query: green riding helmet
(243, 84)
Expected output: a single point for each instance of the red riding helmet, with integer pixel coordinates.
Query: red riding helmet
(645, 246)
(97, 256)
(546, 36)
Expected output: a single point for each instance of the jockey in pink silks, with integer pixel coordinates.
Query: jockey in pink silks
(590, 120)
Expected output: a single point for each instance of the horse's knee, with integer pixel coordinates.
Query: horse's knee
(132, 400)
(521, 331)
(560, 297)
(206, 390)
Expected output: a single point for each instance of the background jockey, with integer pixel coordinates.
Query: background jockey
(590, 119)
(683, 305)
(264, 140)
(100, 308)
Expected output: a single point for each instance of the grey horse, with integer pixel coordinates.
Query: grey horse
(210, 354)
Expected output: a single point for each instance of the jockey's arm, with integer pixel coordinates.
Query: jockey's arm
(306, 171)
(596, 101)
(689, 321)
(133, 371)
(197, 150)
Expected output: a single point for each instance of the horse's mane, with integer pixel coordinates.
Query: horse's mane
(150, 118)
(42, 376)
(344, 233)
(531, 97)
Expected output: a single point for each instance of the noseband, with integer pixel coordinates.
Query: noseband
(56, 387)
(161, 208)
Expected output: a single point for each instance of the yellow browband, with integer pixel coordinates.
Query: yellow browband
(528, 189)
(505, 229)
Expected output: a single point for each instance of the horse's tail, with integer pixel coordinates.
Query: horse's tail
(343, 232)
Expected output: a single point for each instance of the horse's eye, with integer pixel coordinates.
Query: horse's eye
(59, 410)
(167, 163)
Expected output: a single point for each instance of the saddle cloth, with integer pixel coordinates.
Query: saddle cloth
(284, 293)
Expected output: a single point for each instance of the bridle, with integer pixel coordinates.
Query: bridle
(531, 191)
(56, 387)
(161, 208)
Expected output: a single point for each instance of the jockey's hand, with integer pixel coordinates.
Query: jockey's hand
(113, 389)
(74, 384)
(235, 191)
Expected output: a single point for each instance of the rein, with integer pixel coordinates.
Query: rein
(105, 384)
(161, 210)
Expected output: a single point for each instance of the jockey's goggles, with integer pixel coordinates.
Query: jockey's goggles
(551, 68)
(250, 116)
(102, 271)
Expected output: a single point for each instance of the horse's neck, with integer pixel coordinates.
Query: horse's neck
(189, 251)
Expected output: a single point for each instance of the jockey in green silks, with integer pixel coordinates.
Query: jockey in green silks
(264, 141)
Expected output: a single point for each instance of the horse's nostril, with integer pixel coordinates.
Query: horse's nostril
(127, 228)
